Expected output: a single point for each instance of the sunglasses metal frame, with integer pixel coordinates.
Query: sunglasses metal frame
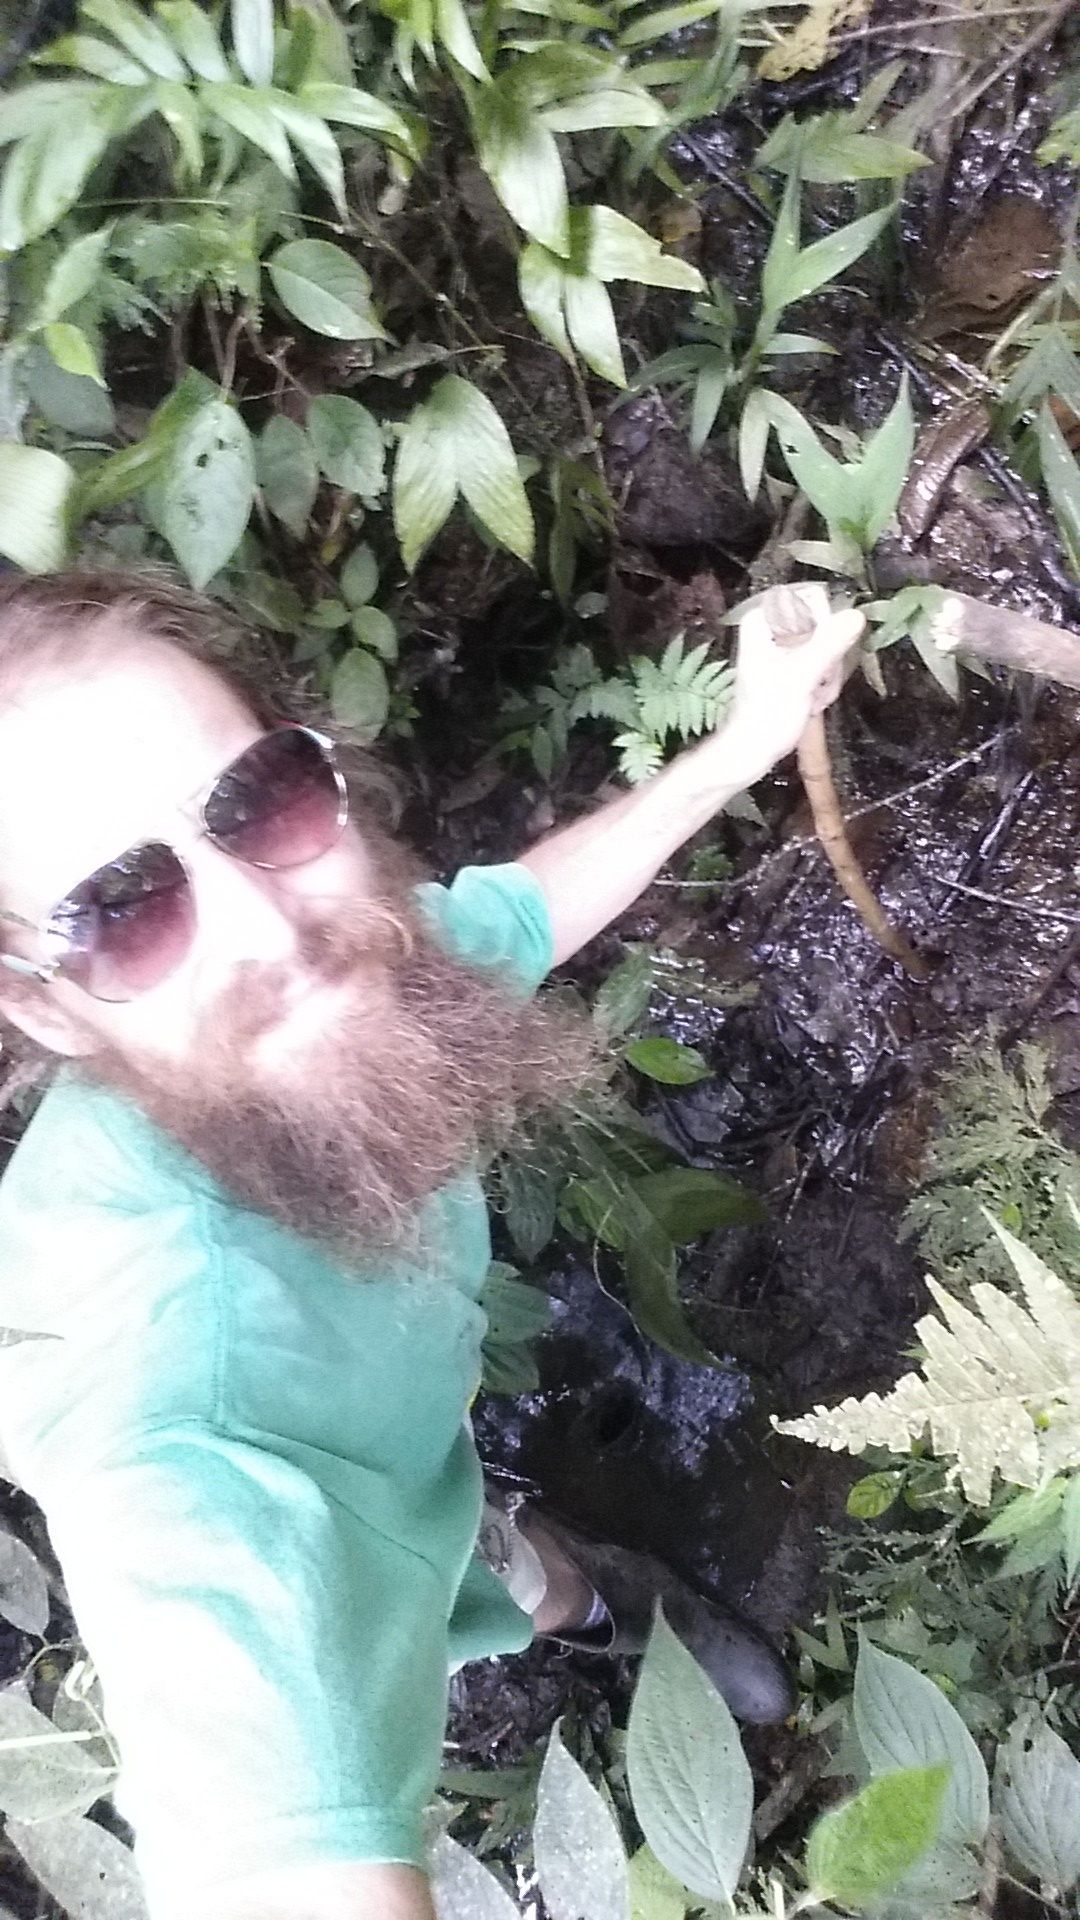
(49, 970)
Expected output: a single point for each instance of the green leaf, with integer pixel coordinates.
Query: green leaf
(88, 1871)
(250, 113)
(253, 39)
(884, 468)
(830, 149)
(655, 1894)
(286, 471)
(874, 1494)
(529, 1195)
(359, 577)
(521, 159)
(614, 106)
(591, 325)
(712, 383)
(651, 1267)
(1025, 1513)
(41, 105)
(541, 280)
(138, 467)
(623, 998)
(580, 1858)
(359, 694)
(182, 114)
(862, 1849)
(791, 272)
(373, 628)
(45, 175)
(462, 1887)
(425, 482)
(485, 462)
(453, 29)
(71, 350)
(101, 58)
(348, 444)
(1062, 477)
(903, 1720)
(688, 1201)
(753, 441)
(1070, 1527)
(1039, 1805)
(49, 1779)
(313, 138)
(139, 33)
(207, 492)
(24, 1587)
(80, 406)
(615, 248)
(193, 34)
(326, 289)
(349, 107)
(668, 1061)
(35, 489)
(516, 1315)
(689, 1779)
(74, 274)
(654, 26)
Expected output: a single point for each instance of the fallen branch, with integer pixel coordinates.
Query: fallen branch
(816, 770)
(1007, 639)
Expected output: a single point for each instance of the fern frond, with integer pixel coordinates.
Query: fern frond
(999, 1387)
(639, 757)
(681, 693)
(609, 700)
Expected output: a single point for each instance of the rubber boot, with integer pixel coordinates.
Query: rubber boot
(744, 1667)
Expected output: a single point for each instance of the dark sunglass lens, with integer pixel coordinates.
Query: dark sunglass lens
(279, 804)
(129, 925)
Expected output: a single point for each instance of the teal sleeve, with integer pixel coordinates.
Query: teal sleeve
(494, 917)
(274, 1670)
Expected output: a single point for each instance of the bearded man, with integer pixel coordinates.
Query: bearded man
(242, 1239)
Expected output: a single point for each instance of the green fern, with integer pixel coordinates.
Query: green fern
(999, 1388)
(639, 757)
(682, 693)
(996, 1153)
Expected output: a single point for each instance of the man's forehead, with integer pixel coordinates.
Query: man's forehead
(94, 759)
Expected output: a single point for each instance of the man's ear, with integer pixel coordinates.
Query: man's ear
(37, 1013)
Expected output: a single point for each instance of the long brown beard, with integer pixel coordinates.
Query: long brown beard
(429, 1064)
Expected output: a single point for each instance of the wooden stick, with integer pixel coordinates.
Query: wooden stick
(1007, 639)
(816, 770)
(793, 610)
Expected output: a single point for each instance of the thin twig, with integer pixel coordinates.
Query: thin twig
(1042, 31)
(1013, 906)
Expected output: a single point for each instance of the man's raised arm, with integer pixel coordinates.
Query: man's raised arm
(593, 870)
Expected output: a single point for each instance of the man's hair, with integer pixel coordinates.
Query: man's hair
(61, 622)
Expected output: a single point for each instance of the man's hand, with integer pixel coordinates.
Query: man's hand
(789, 664)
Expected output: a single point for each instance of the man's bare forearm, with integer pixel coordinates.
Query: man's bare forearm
(591, 871)
(347, 1891)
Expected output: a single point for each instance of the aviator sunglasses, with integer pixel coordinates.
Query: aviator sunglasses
(123, 930)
